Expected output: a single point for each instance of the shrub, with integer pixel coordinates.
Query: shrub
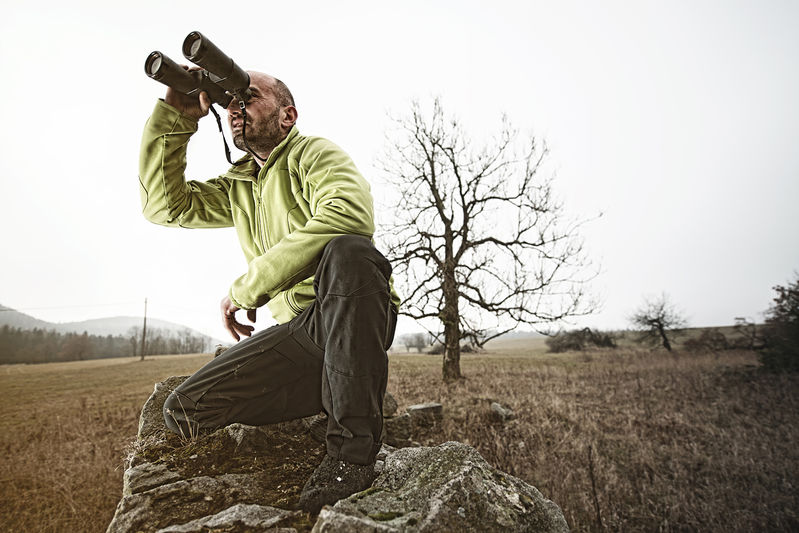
(711, 340)
(579, 340)
(781, 333)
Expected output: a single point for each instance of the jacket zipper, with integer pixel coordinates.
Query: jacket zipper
(260, 218)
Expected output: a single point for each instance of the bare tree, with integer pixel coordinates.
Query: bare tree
(415, 340)
(658, 321)
(134, 333)
(477, 239)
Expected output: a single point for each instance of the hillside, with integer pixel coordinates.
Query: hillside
(16, 319)
(119, 325)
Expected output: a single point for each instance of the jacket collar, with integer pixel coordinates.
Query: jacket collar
(247, 168)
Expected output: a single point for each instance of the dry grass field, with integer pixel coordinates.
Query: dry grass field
(622, 440)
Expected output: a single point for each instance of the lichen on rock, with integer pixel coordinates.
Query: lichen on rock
(449, 487)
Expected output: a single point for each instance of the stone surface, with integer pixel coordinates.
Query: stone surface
(398, 430)
(442, 489)
(248, 439)
(236, 478)
(182, 501)
(317, 426)
(332, 521)
(220, 349)
(240, 517)
(151, 421)
(501, 413)
(389, 405)
(426, 413)
(171, 481)
(146, 476)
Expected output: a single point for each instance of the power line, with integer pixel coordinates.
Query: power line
(83, 306)
(65, 307)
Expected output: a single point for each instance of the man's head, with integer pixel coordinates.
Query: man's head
(270, 115)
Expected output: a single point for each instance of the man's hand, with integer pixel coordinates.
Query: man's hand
(231, 324)
(191, 106)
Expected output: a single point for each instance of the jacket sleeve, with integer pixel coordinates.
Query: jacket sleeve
(167, 198)
(340, 204)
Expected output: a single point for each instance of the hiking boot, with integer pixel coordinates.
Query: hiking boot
(333, 480)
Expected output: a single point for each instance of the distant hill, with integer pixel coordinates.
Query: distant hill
(15, 319)
(119, 325)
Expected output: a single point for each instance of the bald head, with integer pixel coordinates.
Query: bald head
(268, 83)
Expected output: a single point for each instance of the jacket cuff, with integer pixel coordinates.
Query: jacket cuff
(167, 118)
(234, 301)
(240, 305)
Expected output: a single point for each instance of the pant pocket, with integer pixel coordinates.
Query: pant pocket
(391, 325)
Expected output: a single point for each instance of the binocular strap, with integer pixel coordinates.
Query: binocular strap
(219, 125)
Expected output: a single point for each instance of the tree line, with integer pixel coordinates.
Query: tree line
(18, 345)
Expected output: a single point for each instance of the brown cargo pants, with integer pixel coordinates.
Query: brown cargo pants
(331, 357)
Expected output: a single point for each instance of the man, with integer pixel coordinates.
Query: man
(304, 218)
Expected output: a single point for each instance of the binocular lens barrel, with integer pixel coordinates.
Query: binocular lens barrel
(160, 68)
(200, 50)
(153, 64)
(221, 78)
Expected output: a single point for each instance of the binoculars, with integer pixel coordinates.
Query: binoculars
(220, 76)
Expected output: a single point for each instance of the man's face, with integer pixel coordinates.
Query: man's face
(263, 132)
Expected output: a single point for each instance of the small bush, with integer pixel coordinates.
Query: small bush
(710, 340)
(579, 340)
(436, 349)
(781, 333)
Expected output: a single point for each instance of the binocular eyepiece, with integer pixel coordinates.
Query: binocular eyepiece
(220, 76)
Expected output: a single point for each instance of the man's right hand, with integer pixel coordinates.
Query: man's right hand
(234, 327)
(191, 106)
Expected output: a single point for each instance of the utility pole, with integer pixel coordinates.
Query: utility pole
(144, 330)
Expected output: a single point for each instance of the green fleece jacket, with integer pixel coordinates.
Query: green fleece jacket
(308, 192)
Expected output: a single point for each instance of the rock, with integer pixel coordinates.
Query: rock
(240, 517)
(389, 405)
(146, 476)
(331, 521)
(248, 439)
(246, 479)
(317, 426)
(501, 413)
(151, 421)
(171, 481)
(220, 349)
(398, 430)
(426, 414)
(446, 488)
(182, 501)
(380, 459)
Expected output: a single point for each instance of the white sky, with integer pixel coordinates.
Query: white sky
(675, 119)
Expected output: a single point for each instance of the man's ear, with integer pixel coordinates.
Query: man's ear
(289, 117)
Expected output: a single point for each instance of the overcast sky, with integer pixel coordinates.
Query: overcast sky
(676, 120)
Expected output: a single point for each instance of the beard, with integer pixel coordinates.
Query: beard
(262, 136)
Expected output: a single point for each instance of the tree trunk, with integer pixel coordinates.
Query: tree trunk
(452, 333)
(452, 354)
(666, 343)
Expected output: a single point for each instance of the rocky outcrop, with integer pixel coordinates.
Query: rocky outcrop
(442, 489)
(243, 478)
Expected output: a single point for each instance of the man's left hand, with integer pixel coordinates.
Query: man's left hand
(234, 327)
